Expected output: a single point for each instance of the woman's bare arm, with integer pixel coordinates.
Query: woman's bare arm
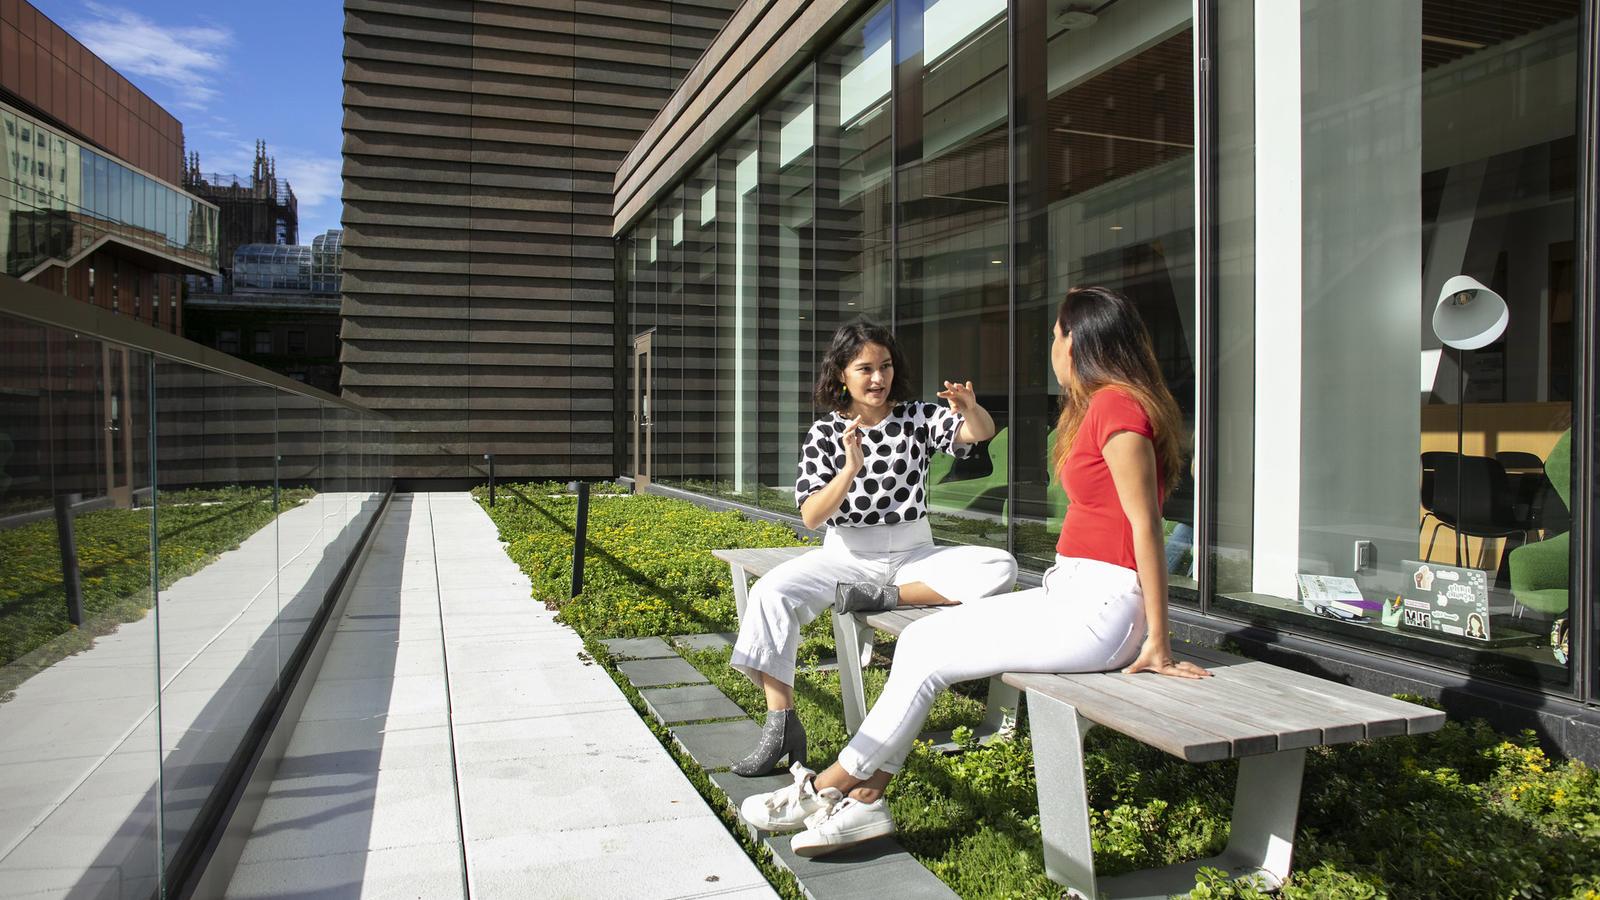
(1131, 459)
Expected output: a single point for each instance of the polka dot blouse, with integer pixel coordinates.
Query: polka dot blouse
(892, 485)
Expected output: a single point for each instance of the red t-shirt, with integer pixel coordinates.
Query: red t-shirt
(1096, 526)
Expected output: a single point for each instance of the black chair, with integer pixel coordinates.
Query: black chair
(1480, 485)
(1430, 469)
(1526, 474)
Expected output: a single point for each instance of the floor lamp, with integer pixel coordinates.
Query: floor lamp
(1466, 317)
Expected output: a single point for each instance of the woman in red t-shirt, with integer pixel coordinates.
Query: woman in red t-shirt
(1103, 605)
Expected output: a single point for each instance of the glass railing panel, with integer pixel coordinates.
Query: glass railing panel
(305, 564)
(218, 552)
(78, 667)
(145, 628)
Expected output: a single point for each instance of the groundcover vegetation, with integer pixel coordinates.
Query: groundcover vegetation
(193, 527)
(1464, 812)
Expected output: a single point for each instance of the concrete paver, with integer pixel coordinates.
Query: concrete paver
(718, 745)
(556, 788)
(653, 672)
(694, 703)
(715, 641)
(639, 648)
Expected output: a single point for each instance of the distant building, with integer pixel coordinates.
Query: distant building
(480, 144)
(260, 209)
(90, 173)
(327, 262)
(279, 310)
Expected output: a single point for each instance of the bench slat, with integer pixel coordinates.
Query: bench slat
(1385, 716)
(758, 561)
(1294, 725)
(895, 621)
(1336, 723)
(1172, 729)
(1142, 695)
(1346, 717)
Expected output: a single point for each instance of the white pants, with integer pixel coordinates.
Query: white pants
(793, 594)
(1088, 617)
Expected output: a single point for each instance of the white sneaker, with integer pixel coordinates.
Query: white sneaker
(844, 824)
(786, 808)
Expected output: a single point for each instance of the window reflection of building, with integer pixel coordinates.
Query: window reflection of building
(64, 205)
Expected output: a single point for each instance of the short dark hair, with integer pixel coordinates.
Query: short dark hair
(846, 346)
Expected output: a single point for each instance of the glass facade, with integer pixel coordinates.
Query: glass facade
(58, 197)
(272, 267)
(167, 535)
(1289, 193)
(327, 262)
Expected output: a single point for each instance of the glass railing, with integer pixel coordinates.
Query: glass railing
(171, 529)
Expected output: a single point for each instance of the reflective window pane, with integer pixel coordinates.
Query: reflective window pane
(1435, 236)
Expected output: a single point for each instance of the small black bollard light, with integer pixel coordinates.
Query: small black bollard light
(490, 458)
(71, 581)
(579, 537)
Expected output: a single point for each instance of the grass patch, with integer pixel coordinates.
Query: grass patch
(194, 527)
(1465, 812)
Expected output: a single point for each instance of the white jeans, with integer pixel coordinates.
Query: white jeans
(1088, 617)
(796, 592)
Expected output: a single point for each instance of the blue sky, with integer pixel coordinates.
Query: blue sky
(233, 72)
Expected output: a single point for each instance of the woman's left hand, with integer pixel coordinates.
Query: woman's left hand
(960, 396)
(1153, 658)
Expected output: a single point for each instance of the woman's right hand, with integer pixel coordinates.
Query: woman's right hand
(851, 439)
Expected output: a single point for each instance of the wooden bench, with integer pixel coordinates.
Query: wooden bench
(755, 562)
(857, 631)
(1263, 715)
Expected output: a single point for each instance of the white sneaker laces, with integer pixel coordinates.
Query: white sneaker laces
(785, 797)
(815, 820)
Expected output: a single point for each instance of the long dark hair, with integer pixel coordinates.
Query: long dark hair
(1111, 347)
(846, 346)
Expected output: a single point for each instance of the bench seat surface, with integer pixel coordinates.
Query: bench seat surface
(1247, 708)
(758, 561)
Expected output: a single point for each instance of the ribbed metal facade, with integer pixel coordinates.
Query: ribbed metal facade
(481, 142)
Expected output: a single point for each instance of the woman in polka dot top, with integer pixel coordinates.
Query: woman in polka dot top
(863, 473)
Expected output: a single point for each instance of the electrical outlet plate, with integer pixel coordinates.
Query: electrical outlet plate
(1364, 557)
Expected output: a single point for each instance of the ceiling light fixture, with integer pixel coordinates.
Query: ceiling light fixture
(1075, 16)
(1453, 42)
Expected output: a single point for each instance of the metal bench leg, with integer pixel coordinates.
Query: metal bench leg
(1266, 803)
(1058, 733)
(1000, 715)
(1260, 843)
(852, 642)
(741, 589)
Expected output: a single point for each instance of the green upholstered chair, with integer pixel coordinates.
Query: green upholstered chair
(1539, 570)
(969, 493)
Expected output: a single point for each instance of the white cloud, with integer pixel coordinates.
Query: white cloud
(315, 179)
(184, 58)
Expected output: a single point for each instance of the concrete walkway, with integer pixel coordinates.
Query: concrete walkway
(456, 744)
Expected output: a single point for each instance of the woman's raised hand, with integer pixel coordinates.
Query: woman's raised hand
(851, 439)
(960, 396)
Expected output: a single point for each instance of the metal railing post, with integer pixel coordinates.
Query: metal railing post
(579, 537)
(490, 458)
(71, 581)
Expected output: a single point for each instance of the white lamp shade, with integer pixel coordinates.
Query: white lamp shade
(1469, 315)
